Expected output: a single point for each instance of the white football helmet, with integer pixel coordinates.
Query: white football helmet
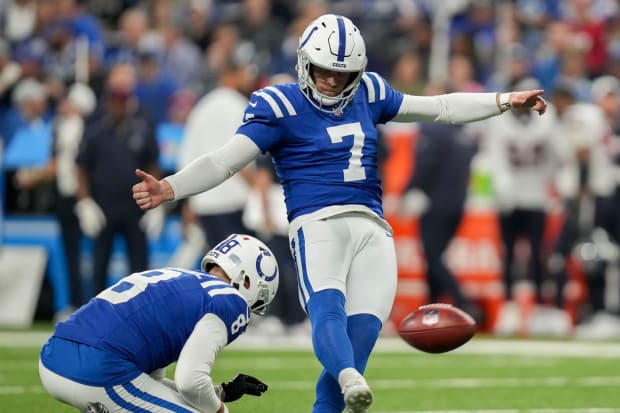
(331, 42)
(251, 267)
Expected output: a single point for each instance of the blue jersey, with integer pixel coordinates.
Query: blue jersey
(323, 159)
(147, 317)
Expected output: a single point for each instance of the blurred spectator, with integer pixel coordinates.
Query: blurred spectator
(436, 194)
(199, 18)
(601, 263)
(589, 28)
(513, 66)
(546, 59)
(61, 51)
(606, 94)
(221, 50)
(29, 56)
(407, 73)
(28, 146)
(170, 133)
(573, 71)
(585, 185)
(462, 76)
(474, 33)
(30, 141)
(212, 121)
(265, 215)
(285, 59)
(84, 25)
(61, 168)
(263, 30)
(109, 11)
(155, 87)
(525, 153)
(117, 140)
(19, 20)
(10, 73)
(180, 59)
(133, 29)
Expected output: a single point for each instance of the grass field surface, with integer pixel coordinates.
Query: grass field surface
(485, 376)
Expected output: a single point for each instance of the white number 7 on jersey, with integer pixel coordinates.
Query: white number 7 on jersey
(354, 172)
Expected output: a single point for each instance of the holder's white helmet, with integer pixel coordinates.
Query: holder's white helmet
(331, 42)
(251, 267)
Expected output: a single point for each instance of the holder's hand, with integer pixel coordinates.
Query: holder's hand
(242, 384)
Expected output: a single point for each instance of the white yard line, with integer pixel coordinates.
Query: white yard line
(573, 410)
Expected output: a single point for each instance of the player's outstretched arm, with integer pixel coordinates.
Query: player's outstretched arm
(531, 99)
(151, 192)
(203, 173)
(459, 107)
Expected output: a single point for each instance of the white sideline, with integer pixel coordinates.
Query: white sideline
(478, 345)
(574, 410)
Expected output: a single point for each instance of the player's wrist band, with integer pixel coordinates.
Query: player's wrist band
(503, 101)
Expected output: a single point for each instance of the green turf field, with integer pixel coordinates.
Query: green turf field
(485, 376)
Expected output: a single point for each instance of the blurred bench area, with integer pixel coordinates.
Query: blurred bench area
(33, 268)
(535, 251)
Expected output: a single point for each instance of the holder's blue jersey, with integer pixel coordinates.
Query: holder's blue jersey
(147, 317)
(323, 159)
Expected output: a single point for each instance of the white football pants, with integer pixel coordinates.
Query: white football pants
(352, 253)
(141, 394)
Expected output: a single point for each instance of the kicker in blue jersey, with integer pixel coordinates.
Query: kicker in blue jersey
(323, 159)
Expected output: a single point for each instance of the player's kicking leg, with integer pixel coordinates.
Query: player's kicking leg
(334, 350)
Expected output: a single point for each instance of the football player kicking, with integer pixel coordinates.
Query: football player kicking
(111, 354)
(322, 135)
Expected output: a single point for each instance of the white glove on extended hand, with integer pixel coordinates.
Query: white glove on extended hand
(414, 203)
(91, 217)
(191, 249)
(152, 222)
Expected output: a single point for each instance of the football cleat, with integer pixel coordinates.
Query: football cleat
(357, 396)
(95, 407)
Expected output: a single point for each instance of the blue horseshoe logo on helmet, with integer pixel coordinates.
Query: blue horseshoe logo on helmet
(260, 271)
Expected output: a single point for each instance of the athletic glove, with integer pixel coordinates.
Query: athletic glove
(242, 384)
(152, 222)
(90, 216)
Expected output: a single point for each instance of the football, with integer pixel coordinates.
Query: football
(437, 328)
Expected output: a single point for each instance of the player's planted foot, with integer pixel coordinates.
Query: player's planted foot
(357, 396)
(95, 408)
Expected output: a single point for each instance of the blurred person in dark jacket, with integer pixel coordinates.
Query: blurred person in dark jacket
(525, 154)
(436, 194)
(118, 139)
(68, 130)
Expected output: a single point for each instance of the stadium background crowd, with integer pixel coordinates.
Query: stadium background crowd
(180, 50)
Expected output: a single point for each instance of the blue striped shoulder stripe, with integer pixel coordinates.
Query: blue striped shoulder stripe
(375, 86)
(277, 100)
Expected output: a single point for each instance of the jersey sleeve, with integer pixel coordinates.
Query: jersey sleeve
(233, 310)
(260, 119)
(384, 101)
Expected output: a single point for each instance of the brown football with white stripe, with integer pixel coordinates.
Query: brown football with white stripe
(437, 328)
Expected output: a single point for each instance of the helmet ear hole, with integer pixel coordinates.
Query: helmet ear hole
(246, 282)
